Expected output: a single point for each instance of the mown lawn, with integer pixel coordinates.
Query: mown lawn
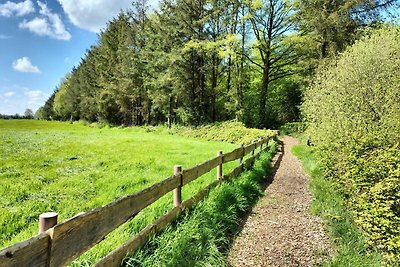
(70, 168)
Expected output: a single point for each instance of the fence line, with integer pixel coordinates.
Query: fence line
(64, 242)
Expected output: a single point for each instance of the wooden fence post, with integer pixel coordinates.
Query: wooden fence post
(47, 220)
(252, 152)
(241, 159)
(219, 167)
(178, 190)
(261, 144)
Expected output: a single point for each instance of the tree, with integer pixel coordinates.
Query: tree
(271, 23)
(28, 114)
(333, 25)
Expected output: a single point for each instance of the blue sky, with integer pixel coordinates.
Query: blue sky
(40, 41)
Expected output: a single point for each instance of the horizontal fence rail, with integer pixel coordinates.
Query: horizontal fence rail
(64, 242)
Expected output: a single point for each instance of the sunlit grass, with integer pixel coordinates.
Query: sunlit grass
(70, 168)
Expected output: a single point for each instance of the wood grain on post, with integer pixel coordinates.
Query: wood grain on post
(47, 220)
(178, 190)
(219, 167)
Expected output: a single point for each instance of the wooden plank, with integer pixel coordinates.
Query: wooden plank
(234, 173)
(249, 162)
(32, 252)
(77, 235)
(259, 143)
(233, 155)
(249, 148)
(200, 169)
(115, 258)
(202, 194)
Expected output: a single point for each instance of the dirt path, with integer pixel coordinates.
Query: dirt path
(280, 231)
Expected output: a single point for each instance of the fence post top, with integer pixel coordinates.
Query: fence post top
(47, 215)
(178, 170)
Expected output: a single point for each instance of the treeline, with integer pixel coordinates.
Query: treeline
(28, 115)
(200, 61)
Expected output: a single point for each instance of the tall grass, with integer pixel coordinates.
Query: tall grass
(349, 242)
(203, 236)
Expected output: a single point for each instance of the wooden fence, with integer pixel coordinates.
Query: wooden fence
(64, 242)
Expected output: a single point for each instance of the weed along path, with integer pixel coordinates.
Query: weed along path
(280, 230)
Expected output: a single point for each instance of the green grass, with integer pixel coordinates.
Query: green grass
(203, 236)
(348, 240)
(70, 168)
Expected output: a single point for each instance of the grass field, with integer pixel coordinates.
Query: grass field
(70, 168)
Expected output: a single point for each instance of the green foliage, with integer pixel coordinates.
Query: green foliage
(230, 131)
(353, 117)
(374, 173)
(332, 25)
(328, 203)
(203, 235)
(292, 128)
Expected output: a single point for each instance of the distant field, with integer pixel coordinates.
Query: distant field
(69, 168)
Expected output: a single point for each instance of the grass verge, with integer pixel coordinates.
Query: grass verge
(203, 236)
(349, 242)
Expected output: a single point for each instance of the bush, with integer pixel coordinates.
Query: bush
(292, 127)
(353, 118)
(230, 131)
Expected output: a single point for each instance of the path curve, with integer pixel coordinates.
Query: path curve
(280, 230)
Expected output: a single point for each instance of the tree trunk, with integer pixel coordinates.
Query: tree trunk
(262, 123)
(263, 98)
(214, 82)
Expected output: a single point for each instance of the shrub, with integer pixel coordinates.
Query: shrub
(292, 127)
(352, 112)
(230, 131)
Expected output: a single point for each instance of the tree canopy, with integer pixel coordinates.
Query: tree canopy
(202, 61)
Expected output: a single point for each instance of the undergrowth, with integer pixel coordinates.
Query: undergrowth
(349, 242)
(203, 236)
(229, 131)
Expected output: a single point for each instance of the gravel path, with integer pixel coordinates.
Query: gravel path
(280, 231)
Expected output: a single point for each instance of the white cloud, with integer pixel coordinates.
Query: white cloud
(49, 24)
(18, 9)
(21, 98)
(24, 65)
(35, 95)
(9, 94)
(93, 15)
